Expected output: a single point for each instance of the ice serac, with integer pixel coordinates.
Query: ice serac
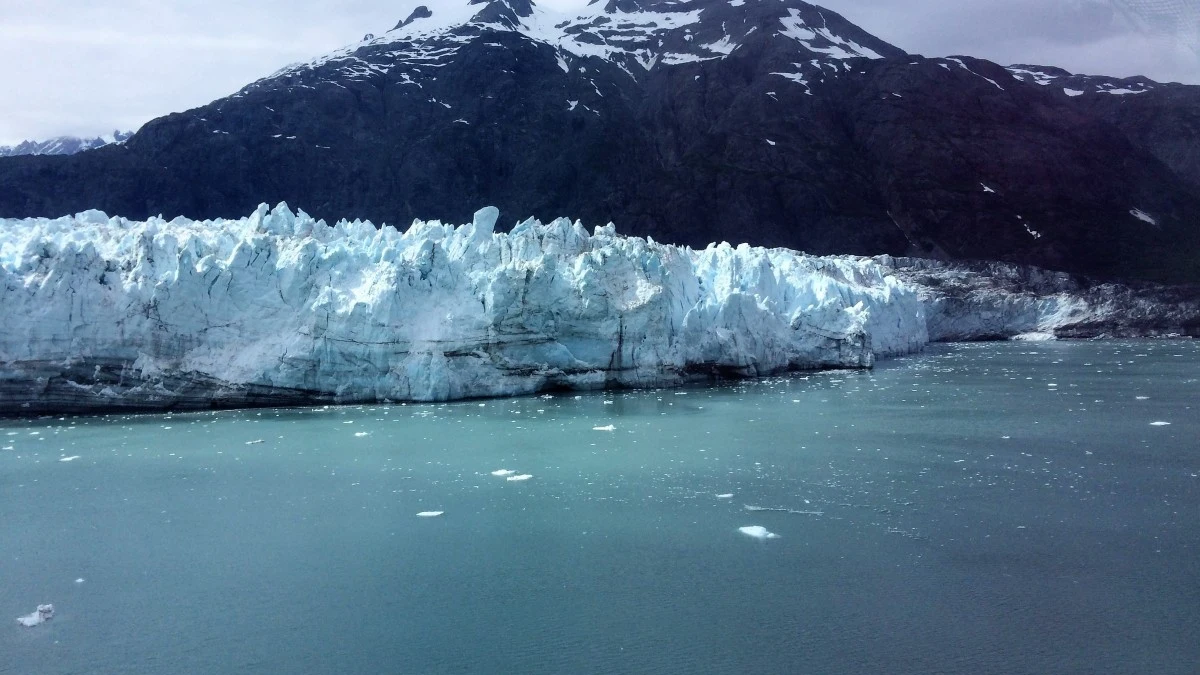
(279, 308)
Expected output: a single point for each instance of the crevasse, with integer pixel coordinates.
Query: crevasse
(278, 307)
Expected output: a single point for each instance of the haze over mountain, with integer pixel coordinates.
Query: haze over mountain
(63, 145)
(779, 123)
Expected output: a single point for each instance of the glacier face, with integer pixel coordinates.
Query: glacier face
(279, 308)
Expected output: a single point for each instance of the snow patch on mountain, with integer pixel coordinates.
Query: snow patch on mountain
(1078, 85)
(821, 40)
(1143, 216)
(967, 68)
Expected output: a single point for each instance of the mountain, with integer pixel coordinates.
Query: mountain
(775, 122)
(63, 145)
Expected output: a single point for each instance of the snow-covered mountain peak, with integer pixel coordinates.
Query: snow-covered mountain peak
(64, 145)
(635, 35)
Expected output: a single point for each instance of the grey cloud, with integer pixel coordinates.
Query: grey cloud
(1089, 36)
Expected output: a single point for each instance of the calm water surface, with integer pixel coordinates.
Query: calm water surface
(987, 508)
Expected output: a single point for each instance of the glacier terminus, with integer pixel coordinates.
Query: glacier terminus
(279, 308)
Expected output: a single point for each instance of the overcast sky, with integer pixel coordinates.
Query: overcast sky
(86, 67)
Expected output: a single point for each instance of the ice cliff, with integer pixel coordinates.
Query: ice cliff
(103, 312)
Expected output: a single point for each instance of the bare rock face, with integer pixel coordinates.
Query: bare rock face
(773, 122)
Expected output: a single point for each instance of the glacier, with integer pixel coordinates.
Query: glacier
(277, 308)
(993, 300)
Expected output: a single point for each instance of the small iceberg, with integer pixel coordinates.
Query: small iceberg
(1034, 337)
(503, 472)
(524, 476)
(43, 614)
(605, 428)
(757, 509)
(430, 514)
(758, 532)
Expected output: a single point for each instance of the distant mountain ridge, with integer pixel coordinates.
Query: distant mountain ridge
(64, 145)
(775, 122)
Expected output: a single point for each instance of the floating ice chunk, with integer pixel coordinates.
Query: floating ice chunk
(758, 532)
(255, 442)
(503, 472)
(72, 458)
(1160, 424)
(1035, 337)
(727, 495)
(430, 514)
(43, 614)
(776, 509)
(605, 428)
(523, 476)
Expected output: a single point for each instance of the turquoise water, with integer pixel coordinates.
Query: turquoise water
(982, 508)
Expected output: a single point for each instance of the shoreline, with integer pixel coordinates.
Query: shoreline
(298, 401)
